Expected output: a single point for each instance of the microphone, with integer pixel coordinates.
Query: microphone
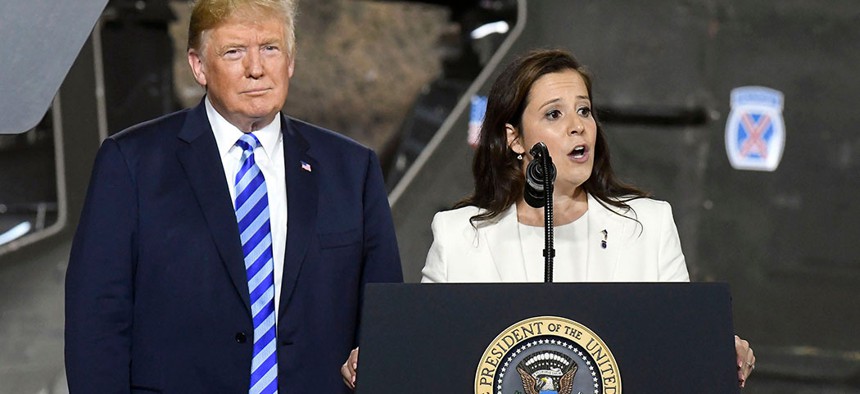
(534, 190)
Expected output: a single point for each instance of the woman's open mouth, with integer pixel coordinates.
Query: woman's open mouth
(579, 153)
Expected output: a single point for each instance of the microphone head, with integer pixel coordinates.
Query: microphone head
(534, 189)
(538, 150)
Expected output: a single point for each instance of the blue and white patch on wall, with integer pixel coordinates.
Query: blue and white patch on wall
(755, 131)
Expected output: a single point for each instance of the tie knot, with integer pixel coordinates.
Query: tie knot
(248, 142)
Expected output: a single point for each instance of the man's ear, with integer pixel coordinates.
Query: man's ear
(197, 67)
(515, 140)
(291, 67)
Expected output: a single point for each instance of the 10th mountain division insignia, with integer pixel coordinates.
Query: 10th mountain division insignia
(547, 355)
(755, 131)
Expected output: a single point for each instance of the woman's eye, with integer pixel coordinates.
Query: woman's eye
(554, 114)
(585, 111)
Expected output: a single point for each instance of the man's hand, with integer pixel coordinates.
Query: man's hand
(349, 369)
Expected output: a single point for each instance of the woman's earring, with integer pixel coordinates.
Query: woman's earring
(519, 156)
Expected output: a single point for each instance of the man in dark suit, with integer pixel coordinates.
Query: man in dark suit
(224, 248)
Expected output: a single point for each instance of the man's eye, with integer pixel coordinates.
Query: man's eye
(232, 54)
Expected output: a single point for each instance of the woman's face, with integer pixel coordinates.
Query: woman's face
(558, 112)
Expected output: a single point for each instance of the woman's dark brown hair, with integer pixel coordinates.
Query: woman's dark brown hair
(499, 179)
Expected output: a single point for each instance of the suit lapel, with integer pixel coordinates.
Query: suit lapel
(202, 164)
(603, 262)
(503, 241)
(302, 197)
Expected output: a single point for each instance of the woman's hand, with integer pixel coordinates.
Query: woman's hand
(349, 369)
(745, 359)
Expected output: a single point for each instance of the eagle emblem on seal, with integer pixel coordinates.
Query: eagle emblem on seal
(547, 372)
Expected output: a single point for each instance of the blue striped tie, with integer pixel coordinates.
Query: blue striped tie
(252, 212)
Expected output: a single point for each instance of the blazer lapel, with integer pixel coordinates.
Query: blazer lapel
(503, 241)
(205, 172)
(604, 225)
(302, 197)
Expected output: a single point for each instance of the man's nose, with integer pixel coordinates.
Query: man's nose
(254, 65)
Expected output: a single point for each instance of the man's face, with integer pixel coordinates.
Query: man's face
(245, 66)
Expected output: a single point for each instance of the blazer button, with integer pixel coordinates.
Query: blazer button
(241, 337)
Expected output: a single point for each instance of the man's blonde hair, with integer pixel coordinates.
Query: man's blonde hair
(208, 14)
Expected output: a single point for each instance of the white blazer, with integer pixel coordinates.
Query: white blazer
(650, 252)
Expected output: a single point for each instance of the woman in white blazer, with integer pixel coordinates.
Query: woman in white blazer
(605, 230)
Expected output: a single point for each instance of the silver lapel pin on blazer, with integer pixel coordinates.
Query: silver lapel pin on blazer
(605, 235)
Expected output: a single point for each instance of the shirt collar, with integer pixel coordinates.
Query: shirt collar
(226, 134)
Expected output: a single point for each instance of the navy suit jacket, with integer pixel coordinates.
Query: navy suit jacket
(156, 295)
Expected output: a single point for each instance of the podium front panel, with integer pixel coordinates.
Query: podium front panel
(432, 338)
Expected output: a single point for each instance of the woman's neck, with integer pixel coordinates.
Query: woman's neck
(566, 209)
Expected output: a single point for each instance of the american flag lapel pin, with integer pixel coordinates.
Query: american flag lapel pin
(306, 166)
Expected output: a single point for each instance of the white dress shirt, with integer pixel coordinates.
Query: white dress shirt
(270, 158)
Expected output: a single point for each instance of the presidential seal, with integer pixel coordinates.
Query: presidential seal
(547, 355)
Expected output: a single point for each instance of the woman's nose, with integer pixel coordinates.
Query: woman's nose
(577, 127)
